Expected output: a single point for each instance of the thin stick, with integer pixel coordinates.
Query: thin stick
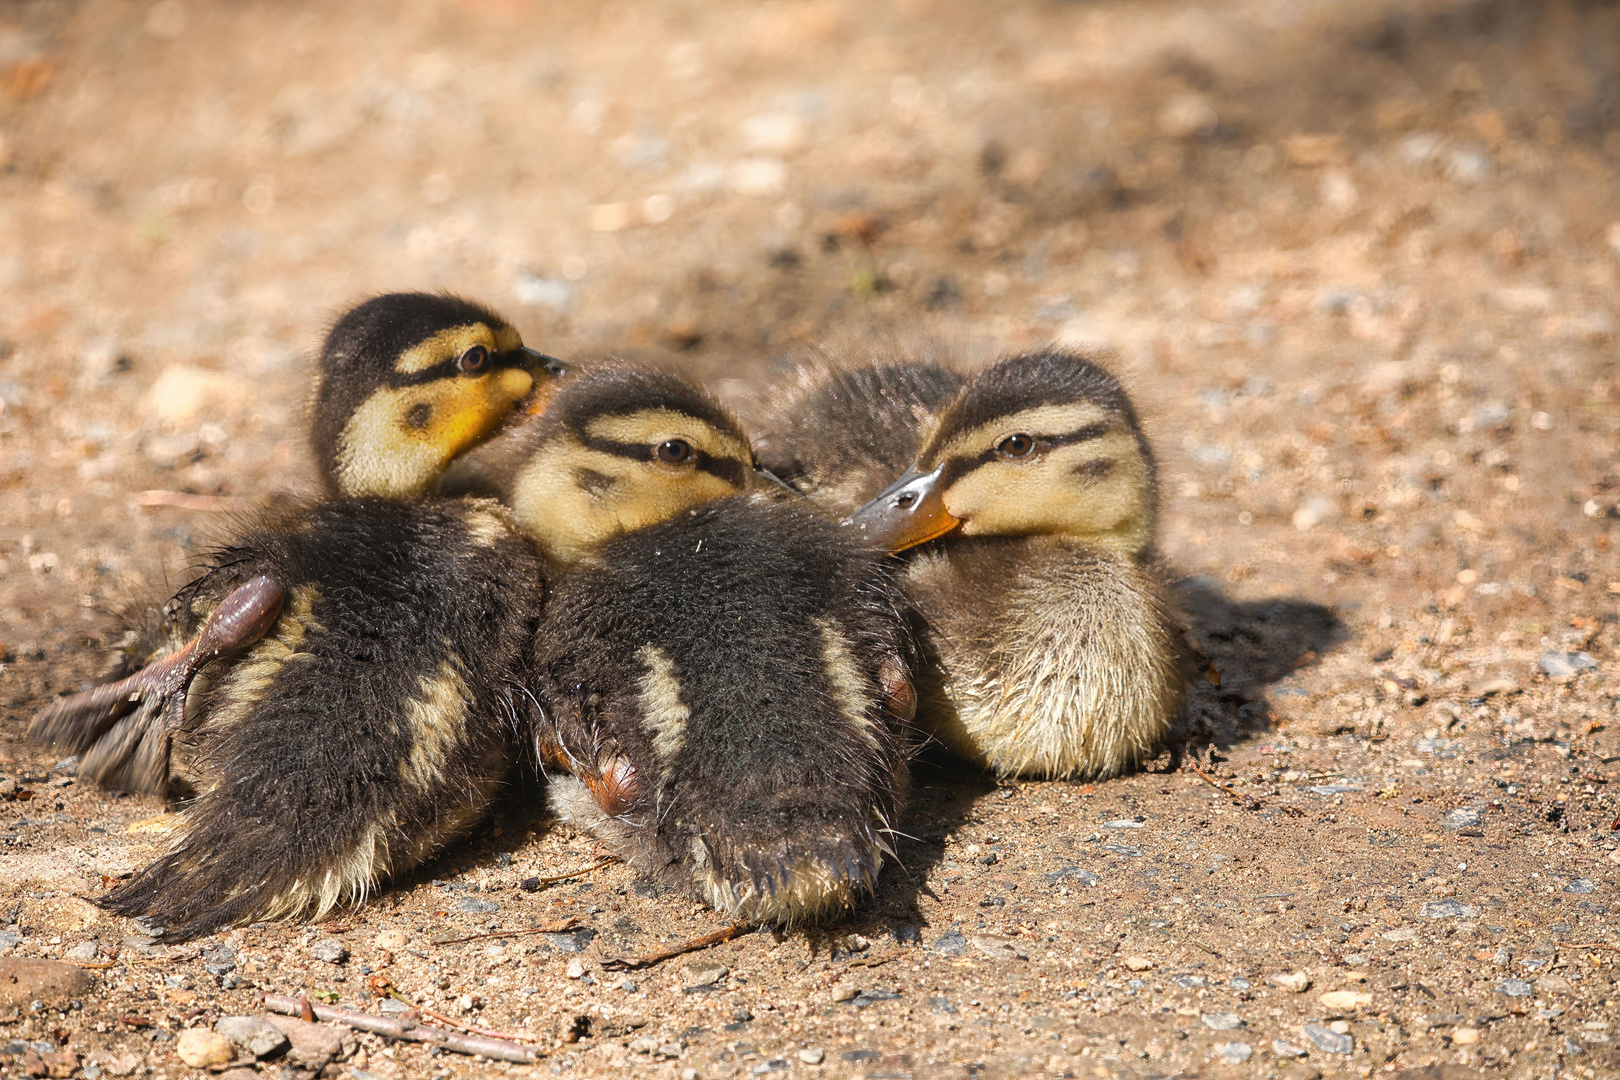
(185, 500)
(1210, 780)
(554, 928)
(495, 1049)
(577, 873)
(636, 963)
(379, 985)
(1589, 945)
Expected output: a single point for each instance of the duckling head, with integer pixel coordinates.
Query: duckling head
(407, 381)
(621, 448)
(1044, 443)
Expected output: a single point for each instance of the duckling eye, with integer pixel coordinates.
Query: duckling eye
(674, 451)
(1016, 446)
(473, 361)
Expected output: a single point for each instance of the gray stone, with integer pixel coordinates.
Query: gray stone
(330, 950)
(392, 1007)
(313, 1045)
(1222, 1021)
(1515, 987)
(704, 974)
(1559, 665)
(1580, 885)
(571, 941)
(1074, 874)
(1332, 789)
(1328, 1040)
(1235, 1052)
(950, 943)
(85, 950)
(1286, 1049)
(1464, 817)
(471, 905)
(1447, 909)
(253, 1035)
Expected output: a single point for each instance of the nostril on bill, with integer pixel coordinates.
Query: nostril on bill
(905, 501)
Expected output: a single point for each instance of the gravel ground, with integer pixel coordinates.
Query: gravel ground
(1358, 260)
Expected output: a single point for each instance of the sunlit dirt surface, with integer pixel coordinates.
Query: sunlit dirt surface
(1358, 261)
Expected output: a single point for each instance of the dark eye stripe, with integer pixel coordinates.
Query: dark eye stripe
(727, 469)
(448, 369)
(959, 467)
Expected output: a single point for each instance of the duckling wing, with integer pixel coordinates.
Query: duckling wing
(368, 727)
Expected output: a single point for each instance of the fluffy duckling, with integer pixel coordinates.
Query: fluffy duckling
(1031, 505)
(723, 673)
(355, 711)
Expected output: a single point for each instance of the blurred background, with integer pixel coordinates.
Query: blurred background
(1358, 258)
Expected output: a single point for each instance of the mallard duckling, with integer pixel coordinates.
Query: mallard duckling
(723, 673)
(355, 714)
(1054, 650)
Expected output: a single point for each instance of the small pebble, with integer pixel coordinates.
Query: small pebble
(1295, 981)
(1345, 999)
(1222, 1021)
(1447, 909)
(704, 974)
(1235, 1052)
(575, 968)
(1515, 988)
(845, 993)
(1328, 1040)
(1139, 963)
(1465, 1036)
(813, 1057)
(1286, 1049)
(252, 1034)
(1562, 665)
(330, 950)
(85, 950)
(200, 1048)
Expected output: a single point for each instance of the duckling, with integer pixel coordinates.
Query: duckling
(1031, 507)
(354, 715)
(722, 673)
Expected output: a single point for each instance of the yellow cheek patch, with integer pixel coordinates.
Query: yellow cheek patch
(569, 520)
(449, 344)
(399, 440)
(1057, 493)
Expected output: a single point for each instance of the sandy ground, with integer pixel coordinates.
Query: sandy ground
(1358, 259)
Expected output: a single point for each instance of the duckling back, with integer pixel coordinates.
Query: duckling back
(729, 690)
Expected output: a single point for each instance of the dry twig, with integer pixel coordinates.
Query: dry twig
(555, 928)
(1210, 780)
(635, 963)
(401, 1028)
(379, 985)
